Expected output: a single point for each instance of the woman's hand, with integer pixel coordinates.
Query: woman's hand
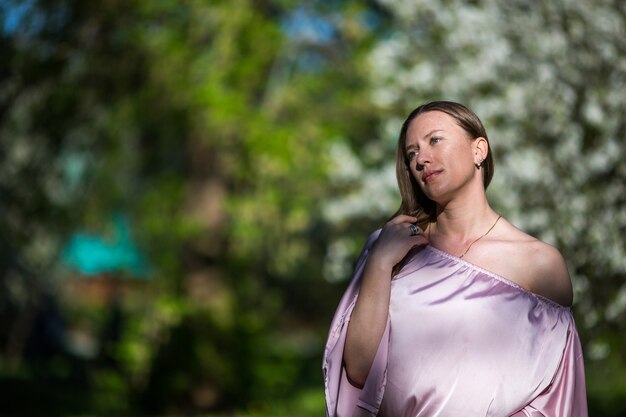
(395, 240)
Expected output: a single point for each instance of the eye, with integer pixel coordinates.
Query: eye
(411, 155)
(435, 139)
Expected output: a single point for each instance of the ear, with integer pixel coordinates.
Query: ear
(480, 147)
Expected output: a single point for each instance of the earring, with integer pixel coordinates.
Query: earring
(478, 164)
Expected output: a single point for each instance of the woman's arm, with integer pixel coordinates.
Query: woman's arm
(369, 317)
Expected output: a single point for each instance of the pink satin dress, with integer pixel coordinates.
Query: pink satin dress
(460, 341)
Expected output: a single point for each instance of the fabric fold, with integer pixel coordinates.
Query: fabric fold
(459, 340)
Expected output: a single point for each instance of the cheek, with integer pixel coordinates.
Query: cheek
(461, 160)
(415, 175)
(462, 163)
(413, 172)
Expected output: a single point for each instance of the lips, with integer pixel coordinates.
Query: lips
(429, 175)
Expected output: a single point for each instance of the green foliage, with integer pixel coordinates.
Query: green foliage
(208, 123)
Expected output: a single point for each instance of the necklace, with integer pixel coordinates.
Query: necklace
(476, 240)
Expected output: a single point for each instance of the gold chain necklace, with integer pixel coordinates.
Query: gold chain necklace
(470, 245)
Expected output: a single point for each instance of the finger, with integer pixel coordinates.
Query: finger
(419, 240)
(403, 218)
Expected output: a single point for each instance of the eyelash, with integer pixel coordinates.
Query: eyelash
(411, 155)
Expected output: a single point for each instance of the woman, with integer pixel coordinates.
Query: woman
(452, 310)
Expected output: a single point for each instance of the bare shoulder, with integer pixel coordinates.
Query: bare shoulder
(549, 275)
(529, 262)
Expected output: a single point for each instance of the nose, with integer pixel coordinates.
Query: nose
(422, 159)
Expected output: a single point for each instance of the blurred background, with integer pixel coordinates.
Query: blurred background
(185, 185)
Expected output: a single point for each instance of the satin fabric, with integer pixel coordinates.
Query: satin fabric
(459, 341)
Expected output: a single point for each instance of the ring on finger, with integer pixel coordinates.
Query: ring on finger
(414, 229)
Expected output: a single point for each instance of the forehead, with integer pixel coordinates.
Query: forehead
(433, 121)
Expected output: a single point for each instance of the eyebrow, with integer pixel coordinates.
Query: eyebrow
(425, 136)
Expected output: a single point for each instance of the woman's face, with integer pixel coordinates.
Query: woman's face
(440, 155)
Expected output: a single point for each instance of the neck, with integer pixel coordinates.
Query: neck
(464, 218)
